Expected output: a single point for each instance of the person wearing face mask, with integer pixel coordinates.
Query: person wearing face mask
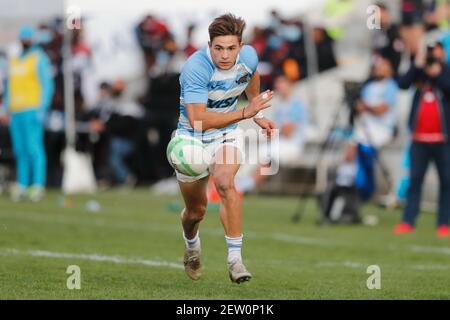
(28, 94)
(292, 117)
(169, 60)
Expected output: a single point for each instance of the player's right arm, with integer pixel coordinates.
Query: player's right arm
(202, 120)
(194, 80)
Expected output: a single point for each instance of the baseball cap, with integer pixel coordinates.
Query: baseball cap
(26, 32)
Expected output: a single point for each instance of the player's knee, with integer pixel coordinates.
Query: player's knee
(224, 185)
(196, 213)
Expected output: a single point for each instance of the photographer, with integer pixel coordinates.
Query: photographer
(429, 122)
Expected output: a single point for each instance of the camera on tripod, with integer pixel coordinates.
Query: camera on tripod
(352, 93)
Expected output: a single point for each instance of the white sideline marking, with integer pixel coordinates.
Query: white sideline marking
(444, 250)
(301, 240)
(357, 265)
(302, 264)
(348, 264)
(91, 257)
(431, 267)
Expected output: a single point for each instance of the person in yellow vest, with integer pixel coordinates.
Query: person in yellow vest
(28, 94)
(336, 13)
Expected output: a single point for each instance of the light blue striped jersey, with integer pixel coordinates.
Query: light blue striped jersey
(202, 82)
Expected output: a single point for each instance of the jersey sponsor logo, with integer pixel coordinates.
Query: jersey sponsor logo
(243, 79)
(222, 103)
(230, 140)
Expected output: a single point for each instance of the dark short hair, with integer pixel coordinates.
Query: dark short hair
(383, 56)
(226, 25)
(105, 85)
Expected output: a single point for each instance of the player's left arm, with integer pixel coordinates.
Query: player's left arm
(252, 91)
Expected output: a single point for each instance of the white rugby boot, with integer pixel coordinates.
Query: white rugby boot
(192, 264)
(238, 272)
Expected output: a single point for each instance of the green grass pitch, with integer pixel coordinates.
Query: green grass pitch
(132, 249)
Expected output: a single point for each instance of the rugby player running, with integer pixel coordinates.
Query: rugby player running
(211, 81)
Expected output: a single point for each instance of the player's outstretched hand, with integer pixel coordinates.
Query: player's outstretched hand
(258, 103)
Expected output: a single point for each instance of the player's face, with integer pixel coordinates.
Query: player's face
(224, 51)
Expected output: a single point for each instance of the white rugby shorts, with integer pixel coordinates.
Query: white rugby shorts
(234, 138)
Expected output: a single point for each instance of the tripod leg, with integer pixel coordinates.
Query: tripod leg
(302, 202)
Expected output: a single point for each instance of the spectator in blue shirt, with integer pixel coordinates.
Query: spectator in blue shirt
(291, 117)
(374, 128)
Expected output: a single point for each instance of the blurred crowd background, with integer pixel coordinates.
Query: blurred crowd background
(123, 123)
